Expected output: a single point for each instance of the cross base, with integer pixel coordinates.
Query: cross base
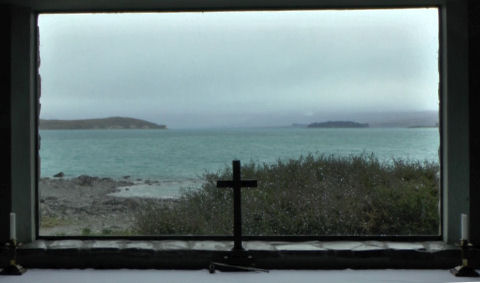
(13, 269)
(235, 261)
(464, 271)
(237, 246)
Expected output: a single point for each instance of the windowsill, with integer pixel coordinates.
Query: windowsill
(278, 246)
(171, 254)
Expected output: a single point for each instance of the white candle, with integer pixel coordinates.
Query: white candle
(13, 226)
(464, 222)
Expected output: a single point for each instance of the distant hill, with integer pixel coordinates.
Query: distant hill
(407, 119)
(103, 123)
(338, 124)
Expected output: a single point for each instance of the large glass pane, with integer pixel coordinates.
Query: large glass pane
(335, 113)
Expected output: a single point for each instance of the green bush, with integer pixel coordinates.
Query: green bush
(323, 195)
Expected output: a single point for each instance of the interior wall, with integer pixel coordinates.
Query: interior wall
(474, 82)
(5, 123)
(455, 142)
(22, 115)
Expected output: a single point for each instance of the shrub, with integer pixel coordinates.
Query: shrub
(311, 195)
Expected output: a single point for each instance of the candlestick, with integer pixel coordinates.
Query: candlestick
(13, 226)
(13, 268)
(464, 227)
(465, 269)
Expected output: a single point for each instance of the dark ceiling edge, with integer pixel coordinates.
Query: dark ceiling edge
(84, 6)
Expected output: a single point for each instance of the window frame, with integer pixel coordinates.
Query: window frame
(454, 139)
(245, 237)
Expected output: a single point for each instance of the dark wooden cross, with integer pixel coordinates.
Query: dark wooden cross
(237, 183)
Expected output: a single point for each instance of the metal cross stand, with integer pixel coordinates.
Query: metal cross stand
(239, 259)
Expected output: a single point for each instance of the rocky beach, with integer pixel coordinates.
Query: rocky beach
(85, 206)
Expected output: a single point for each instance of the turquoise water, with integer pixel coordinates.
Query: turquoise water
(186, 154)
(177, 158)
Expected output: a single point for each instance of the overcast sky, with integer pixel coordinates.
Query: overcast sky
(238, 68)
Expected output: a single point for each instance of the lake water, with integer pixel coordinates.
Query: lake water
(177, 158)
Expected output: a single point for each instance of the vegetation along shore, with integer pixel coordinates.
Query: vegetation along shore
(311, 195)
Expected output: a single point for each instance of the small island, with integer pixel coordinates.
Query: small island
(102, 123)
(338, 124)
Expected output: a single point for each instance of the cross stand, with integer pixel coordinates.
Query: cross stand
(239, 259)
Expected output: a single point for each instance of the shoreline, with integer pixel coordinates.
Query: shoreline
(87, 205)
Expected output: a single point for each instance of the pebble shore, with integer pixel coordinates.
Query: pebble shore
(83, 206)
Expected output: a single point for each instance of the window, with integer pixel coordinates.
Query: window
(453, 89)
(294, 94)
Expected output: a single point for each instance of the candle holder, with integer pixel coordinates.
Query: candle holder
(464, 270)
(13, 268)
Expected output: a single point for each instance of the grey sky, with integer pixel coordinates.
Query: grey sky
(238, 68)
